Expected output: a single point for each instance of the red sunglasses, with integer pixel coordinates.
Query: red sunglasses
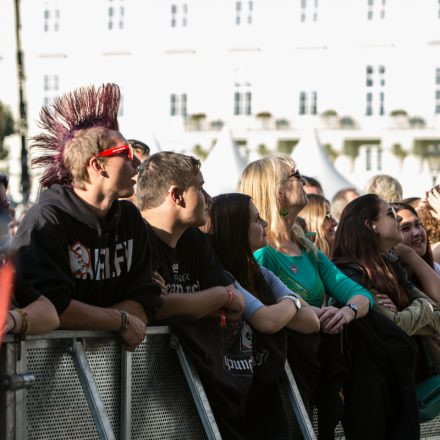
(116, 150)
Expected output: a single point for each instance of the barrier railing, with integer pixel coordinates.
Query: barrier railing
(82, 385)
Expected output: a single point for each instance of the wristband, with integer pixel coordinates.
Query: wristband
(15, 321)
(25, 324)
(124, 320)
(230, 296)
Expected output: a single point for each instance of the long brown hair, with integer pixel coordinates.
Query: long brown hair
(428, 254)
(229, 224)
(356, 243)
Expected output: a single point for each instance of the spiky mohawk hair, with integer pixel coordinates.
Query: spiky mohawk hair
(83, 108)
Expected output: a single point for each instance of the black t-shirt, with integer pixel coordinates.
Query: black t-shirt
(65, 252)
(192, 266)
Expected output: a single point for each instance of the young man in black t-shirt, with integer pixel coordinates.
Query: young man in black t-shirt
(174, 204)
(80, 246)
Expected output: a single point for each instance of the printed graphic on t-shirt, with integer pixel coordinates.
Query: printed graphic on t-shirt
(238, 358)
(181, 282)
(100, 264)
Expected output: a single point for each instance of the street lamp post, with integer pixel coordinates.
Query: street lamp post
(22, 122)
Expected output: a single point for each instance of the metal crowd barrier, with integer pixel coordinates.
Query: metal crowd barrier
(82, 385)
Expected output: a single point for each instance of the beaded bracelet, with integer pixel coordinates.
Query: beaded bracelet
(25, 324)
(124, 320)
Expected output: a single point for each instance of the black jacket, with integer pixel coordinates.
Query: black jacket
(66, 252)
(380, 396)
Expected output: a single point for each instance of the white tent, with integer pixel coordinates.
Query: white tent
(223, 166)
(312, 160)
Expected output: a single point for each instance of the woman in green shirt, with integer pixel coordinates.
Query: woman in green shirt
(276, 188)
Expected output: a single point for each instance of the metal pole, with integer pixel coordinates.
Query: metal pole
(22, 121)
(126, 383)
(197, 391)
(298, 406)
(91, 392)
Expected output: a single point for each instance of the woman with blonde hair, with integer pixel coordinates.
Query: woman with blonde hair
(276, 188)
(319, 219)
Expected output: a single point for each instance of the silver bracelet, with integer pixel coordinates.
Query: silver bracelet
(294, 298)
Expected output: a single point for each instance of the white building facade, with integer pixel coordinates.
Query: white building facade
(187, 67)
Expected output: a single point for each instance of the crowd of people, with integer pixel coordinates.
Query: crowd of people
(347, 290)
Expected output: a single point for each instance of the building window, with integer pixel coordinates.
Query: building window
(178, 104)
(375, 90)
(115, 14)
(309, 10)
(369, 151)
(179, 15)
(308, 102)
(379, 152)
(243, 12)
(376, 9)
(368, 158)
(242, 99)
(51, 16)
(51, 87)
(369, 107)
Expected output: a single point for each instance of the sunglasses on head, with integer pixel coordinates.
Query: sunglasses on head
(116, 150)
(391, 212)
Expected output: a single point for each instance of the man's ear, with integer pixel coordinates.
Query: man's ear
(176, 195)
(96, 167)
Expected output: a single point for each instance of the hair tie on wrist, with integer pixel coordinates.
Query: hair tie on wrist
(230, 295)
(15, 321)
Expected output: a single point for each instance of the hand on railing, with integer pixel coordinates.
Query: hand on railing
(133, 333)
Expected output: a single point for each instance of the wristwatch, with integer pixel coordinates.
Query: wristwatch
(294, 299)
(353, 307)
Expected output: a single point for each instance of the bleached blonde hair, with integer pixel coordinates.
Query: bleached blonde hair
(262, 180)
(386, 187)
(314, 216)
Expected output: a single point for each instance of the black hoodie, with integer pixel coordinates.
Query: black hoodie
(66, 252)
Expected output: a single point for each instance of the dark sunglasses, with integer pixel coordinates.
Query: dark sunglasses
(295, 175)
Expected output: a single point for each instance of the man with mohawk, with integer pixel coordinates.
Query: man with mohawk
(80, 246)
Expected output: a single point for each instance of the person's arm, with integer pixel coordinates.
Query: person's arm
(271, 319)
(202, 303)
(342, 287)
(305, 320)
(81, 316)
(40, 315)
(413, 318)
(428, 278)
(333, 319)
